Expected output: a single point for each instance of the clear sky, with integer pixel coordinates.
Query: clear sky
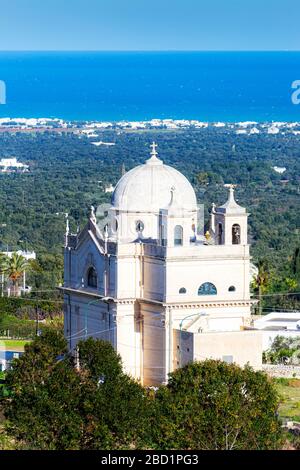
(150, 25)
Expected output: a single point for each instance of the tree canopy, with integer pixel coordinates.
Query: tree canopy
(217, 406)
(54, 404)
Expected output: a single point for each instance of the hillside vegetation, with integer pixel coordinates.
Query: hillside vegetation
(68, 174)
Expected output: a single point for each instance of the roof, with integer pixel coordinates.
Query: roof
(149, 188)
(231, 206)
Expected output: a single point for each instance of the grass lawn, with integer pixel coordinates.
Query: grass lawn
(289, 391)
(11, 344)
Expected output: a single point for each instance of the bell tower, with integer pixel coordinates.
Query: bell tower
(175, 223)
(230, 221)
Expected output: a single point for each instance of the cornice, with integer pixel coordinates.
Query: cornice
(211, 304)
(173, 305)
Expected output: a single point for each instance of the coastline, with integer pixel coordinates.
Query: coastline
(90, 128)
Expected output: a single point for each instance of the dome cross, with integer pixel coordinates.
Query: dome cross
(153, 160)
(153, 147)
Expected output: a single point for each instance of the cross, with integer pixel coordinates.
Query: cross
(153, 146)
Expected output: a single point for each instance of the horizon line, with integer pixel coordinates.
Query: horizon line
(151, 50)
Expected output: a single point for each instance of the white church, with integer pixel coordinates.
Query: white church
(150, 283)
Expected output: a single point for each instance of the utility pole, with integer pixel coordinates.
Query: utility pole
(36, 320)
(2, 274)
(24, 281)
(76, 357)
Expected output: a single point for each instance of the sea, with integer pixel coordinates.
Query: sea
(139, 86)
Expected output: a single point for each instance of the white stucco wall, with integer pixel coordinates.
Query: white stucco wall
(241, 347)
(153, 344)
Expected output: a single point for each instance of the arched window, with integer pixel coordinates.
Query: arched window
(139, 226)
(220, 234)
(182, 290)
(178, 235)
(236, 234)
(207, 288)
(114, 225)
(92, 278)
(231, 289)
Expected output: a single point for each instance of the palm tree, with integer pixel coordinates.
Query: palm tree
(261, 281)
(2, 258)
(14, 267)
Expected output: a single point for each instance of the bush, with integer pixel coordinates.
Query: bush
(55, 406)
(217, 406)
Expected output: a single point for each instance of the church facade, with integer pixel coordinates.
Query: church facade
(161, 292)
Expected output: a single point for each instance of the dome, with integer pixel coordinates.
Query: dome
(149, 188)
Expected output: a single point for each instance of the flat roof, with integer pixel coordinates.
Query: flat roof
(284, 319)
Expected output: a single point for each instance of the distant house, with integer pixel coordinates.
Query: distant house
(109, 189)
(9, 165)
(279, 169)
(7, 356)
(26, 254)
(274, 324)
(273, 130)
(108, 144)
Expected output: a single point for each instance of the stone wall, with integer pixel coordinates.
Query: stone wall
(279, 370)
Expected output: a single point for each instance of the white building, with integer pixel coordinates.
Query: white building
(286, 324)
(279, 169)
(150, 284)
(25, 254)
(11, 164)
(109, 189)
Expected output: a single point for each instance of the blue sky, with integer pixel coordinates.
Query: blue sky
(150, 25)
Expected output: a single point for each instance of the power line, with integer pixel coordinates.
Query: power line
(75, 334)
(164, 350)
(279, 309)
(45, 290)
(277, 294)
(34, 300)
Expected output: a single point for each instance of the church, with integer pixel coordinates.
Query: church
(154, 285)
